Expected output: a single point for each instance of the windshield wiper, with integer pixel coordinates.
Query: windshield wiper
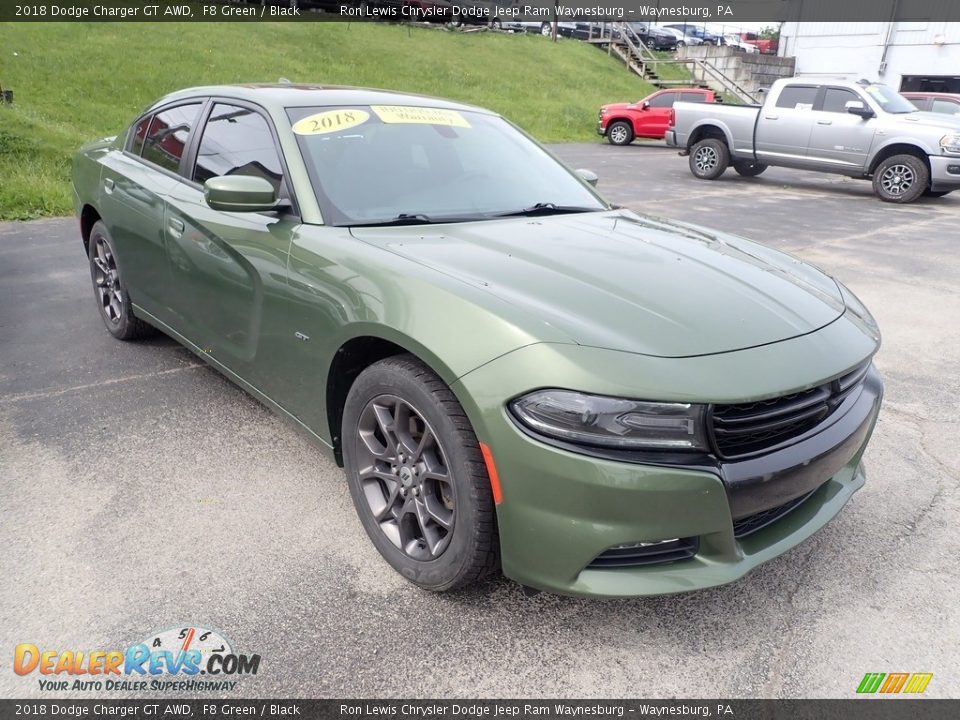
(413, 219)
(547, 208)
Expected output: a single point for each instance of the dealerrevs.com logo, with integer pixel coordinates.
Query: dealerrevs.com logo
(185, 659)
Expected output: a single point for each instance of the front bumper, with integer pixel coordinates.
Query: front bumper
(561, 509)
(944, 173)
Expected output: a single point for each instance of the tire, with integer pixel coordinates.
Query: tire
(936, 193)
(546, 30)
(681, 43)
(651, 43)
(709, 159)
(428, 554)
(109, 289)
(748, 169)
(901, 179)
(620, 133)
(496, 24)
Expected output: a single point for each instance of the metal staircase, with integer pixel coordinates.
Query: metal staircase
(624, 42)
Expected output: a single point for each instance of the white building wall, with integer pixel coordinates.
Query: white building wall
(855, 50)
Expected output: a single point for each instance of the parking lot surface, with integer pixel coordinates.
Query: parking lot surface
(142, 491)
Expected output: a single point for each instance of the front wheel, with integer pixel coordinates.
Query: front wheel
(110, 288)
(620, 133)
(748, 169)
(546, 30)
(901, 179)
(709, 159)
(417, 476)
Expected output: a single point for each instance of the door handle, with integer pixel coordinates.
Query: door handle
(771, 117)
(108, 185)
(824, 122)
(175, 227)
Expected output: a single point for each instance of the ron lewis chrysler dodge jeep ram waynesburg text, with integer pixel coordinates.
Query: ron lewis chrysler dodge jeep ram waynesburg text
(512, 372)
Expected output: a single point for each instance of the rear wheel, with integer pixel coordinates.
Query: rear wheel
(546, 30)
(748, 169)
(901, 179)
(709, 158)
(620, 133)
(417, 476)
(109, 287)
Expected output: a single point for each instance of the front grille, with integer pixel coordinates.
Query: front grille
(750, 428)
(638, 554)
(758, 521)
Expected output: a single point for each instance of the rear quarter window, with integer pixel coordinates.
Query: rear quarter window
(138, 133)
(167, 136)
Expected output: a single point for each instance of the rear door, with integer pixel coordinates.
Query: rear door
(135, 184)
(229, 268)
(784, 127)
(654, 120)
(838, 138)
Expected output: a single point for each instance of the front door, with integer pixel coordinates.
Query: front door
(653, 121)
(838, 137)
(229, 268)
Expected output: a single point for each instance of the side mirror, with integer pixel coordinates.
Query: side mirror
(240, 193)
(588, 175)
(645, 105)
(856, 107)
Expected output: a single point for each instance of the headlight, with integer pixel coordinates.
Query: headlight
(859, 310)
(951, 143)
(612, 422)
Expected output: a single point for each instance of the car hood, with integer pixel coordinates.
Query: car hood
(620, 281)
(948, 123)
(610, 107)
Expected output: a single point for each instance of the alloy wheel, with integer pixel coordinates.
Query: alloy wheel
(897, 179)
(706, 159)
(404, 477)
(618, 134)
(106, 279)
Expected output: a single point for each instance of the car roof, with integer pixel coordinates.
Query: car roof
(928, 94)
(282, 95)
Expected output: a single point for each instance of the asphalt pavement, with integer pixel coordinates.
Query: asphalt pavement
(140, 491)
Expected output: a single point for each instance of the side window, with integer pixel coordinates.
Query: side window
(946, 106)
(167, 136)
(139, 134)
(797, 97)
(835, 100)
(693, 97)
(666, 99)
(920, 103)
(238, 141)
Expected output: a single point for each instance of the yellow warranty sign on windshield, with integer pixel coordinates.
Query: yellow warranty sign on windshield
(419, 115)
(330, 121)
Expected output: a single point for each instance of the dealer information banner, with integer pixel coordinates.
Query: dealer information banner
(732, 11)
(484, 709)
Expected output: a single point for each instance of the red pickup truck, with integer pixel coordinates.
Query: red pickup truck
(621, 123)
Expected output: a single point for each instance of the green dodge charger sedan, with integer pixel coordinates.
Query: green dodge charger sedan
(513, 372)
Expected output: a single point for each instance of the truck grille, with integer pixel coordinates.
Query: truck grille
(751, 428)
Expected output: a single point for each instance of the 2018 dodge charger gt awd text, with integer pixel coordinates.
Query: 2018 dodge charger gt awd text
(512, 371)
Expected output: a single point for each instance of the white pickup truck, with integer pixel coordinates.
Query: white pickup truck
(860, 129)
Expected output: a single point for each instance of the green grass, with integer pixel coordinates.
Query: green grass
(78, 81)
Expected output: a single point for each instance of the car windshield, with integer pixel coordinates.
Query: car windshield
(890, 101)
(379, 164)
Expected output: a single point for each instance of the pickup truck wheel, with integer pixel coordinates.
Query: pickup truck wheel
(709, 159)
(748, 169)
(901, 179)
(620, 133)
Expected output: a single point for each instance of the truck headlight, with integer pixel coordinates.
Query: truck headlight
(611, 422)
(951, 143)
